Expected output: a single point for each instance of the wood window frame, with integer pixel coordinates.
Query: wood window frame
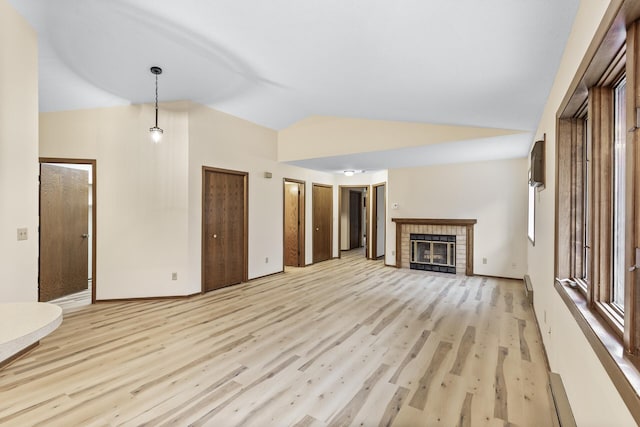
(616, 341)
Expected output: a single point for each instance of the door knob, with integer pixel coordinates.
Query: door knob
(84, 236)
(317, 229)
(215, 236)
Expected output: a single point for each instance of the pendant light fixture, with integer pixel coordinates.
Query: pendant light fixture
(156, 132)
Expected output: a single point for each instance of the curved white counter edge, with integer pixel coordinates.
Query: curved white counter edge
(23, 324)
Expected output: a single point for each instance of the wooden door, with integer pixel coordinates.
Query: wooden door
(379, 222)
(64, 227)
(322, 222)
(294, 223)
(224, 227)
(355, 219)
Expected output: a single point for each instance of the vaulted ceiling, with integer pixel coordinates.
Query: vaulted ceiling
(487, 63)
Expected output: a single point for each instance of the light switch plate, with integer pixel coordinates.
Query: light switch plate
(23, 233)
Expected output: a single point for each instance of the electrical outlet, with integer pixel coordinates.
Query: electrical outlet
(393, 253)
(484, 260)
(174, 276)
(266, 260)
(23, 233)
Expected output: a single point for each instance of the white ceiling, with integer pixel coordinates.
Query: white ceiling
(487, 63)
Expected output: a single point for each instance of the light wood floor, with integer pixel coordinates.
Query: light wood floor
(75, 301)
(344, 342)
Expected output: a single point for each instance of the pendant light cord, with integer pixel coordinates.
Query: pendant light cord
(156, 100)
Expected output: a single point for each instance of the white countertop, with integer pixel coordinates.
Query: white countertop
(25, 323)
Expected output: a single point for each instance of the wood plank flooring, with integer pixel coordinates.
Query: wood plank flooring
(75, 301)
(344, 342)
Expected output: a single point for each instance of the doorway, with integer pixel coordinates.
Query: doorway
(378, 220)
(322, 200)
(224, 228)
(67, 224)
(355, 219)
(353, 224)
(293, 224)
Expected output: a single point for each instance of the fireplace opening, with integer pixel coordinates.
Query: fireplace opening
(433, 252)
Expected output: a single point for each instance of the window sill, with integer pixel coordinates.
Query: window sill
(608, 347)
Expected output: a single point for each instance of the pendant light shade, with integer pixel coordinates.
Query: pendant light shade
(156, 132)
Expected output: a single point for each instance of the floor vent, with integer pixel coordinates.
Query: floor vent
(564, 414)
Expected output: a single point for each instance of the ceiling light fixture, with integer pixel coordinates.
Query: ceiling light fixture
(156, 132)
(349, 173)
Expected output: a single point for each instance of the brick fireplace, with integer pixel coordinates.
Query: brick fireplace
(459, 230)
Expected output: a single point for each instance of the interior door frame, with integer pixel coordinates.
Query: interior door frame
(94, 210)
(367, 224)
(358, 197)
(245, 221)
(374, 219)
(301, 216)
(315, 184)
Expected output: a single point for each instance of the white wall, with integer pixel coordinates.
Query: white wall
(593, 397)
(223, 141)
(149, 197)
(18, 156)
(320, 136)
(141, 203)
(494, 193)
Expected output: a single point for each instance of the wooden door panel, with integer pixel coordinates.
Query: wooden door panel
(223, 229)
(291, 223)
(213, 253)
(233, 238)
(322, 218)
(64, 226)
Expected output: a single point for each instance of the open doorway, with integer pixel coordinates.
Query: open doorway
(353, 224)
(66, 269)
(378, 220)
(293, 223)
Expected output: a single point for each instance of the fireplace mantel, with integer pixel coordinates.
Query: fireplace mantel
(432, 221)
(466, 223)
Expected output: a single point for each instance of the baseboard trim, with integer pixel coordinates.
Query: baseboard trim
(267, 275)
(136, 299)
(18, 355)
(499, 277)
(528, 288)
(560, 402)
(176, 296)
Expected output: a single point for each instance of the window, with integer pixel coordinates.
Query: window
(592, 174)
(585, 154)
(598, 204)
(619, 200)
(531, 220)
